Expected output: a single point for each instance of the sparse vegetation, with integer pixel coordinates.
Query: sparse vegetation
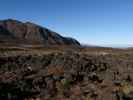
(66, 74)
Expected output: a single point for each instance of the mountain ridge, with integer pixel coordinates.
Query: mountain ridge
(29, 33)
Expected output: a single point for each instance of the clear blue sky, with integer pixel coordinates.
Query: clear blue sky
(99, 22)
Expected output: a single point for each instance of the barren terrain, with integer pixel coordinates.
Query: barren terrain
(62, 73)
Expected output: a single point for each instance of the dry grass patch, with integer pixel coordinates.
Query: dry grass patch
(55, 70)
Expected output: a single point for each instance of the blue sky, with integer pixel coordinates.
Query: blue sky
(98, 22)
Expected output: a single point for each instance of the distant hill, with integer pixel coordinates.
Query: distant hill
(17, 32)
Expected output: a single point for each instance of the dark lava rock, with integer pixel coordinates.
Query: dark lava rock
(27, 76)
(67, 75)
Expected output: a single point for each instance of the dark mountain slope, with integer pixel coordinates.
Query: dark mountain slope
(13, 31)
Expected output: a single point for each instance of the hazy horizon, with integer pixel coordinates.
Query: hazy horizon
(95, 22)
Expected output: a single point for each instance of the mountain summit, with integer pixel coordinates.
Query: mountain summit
(17, 32)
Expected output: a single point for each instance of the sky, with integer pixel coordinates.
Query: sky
(93, 22)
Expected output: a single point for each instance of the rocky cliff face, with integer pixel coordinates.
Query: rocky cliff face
(13, 31)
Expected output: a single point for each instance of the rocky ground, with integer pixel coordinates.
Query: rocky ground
(66, 74)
